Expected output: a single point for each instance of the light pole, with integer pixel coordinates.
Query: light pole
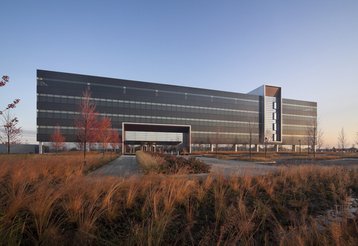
(299, 142)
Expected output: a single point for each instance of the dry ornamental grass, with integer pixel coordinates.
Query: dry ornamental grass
(170, 164)
(47, 200)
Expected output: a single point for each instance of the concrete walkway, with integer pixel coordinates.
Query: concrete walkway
(234, 167)
(351, 163)
(127, 165)
(124, 166)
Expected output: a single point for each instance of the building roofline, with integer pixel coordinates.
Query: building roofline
(138, 83)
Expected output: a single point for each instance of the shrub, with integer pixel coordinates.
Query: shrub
(170, 164)
(149, 162)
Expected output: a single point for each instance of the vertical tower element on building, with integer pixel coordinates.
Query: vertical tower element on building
(270, 113)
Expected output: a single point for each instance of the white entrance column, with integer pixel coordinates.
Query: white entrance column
(276, 147)
(211, 147)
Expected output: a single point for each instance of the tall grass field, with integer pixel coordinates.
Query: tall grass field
(49, 200)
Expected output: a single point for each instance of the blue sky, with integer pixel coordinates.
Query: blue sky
(310, 48)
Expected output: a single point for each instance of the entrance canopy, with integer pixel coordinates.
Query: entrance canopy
(141, 134)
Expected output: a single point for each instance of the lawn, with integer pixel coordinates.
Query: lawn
(47, 200)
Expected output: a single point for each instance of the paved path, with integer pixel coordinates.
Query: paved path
(234, 167)
(124, 166)
(347, 163)
(351, 163)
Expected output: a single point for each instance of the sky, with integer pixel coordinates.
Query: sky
(309, 48)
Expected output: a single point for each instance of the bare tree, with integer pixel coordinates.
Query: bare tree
(356, 140)
(250, 139)
(320, 138)
(314, 135)
(86, 123)
(209, 140)
(10, 132)
(265, 143)
(342, 140)
(217, 137)
(267, 139)
(57, 139)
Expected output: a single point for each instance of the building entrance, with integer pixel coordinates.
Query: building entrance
(155, 137)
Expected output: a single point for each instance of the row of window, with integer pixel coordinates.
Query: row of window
(197, 137)
(127, 89)
(299, 111)
(245, 117)
(118, 105)
(291, 130)
(119, 117)
(301, 116)
(72, 130)
(146, 95)
(297, 120)
(294, 139)
(299, 103)
(118, 89)
(147, 105)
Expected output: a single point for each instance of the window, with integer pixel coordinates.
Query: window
(274, 127)
(274, 116)
(273, 137)
(274, 105)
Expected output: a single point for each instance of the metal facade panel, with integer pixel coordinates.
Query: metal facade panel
(224, 117)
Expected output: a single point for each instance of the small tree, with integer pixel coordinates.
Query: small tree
(86, 123)
(267, 140)
(265, 143)
(342, 140)
(312, 137)
(320, 138)
(115, 139)
(250, 139)
(10, 132)
(57, 139)
(104, 133)
(217, 137)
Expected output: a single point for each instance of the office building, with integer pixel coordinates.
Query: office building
(152, 114)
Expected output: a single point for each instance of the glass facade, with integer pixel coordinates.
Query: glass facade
(214, 116)
(297, 118)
